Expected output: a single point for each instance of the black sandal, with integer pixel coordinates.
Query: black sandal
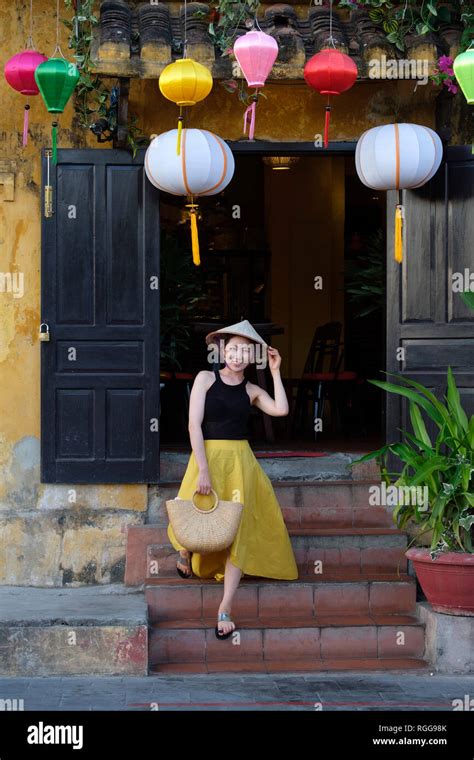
(224, 616)
(185, 561)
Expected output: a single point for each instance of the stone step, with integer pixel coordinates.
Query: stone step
(317, 550)
(334, 465)
(309, 596)
(87, 630)
(260, 640)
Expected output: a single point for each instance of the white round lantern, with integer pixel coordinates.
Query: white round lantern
(396, 156)
(205, 165)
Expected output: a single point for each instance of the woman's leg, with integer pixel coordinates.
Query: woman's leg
(231, 581)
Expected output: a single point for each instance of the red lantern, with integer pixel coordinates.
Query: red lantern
(330, 72)
(20, 74)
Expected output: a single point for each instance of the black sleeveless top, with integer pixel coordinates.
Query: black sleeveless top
(226, 410)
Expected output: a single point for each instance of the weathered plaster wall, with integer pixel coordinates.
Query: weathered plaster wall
(52, 535)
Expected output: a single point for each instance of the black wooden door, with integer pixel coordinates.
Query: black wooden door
(100, 384)
(425, 316)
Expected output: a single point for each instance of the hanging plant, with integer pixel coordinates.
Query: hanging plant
(94, 103)
(398, 20)
(224, 18)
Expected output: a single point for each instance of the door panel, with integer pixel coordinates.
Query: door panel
(424, 316)
(100, 369)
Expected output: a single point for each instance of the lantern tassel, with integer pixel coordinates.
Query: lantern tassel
(180, 129)
(194, 236)
(54, 140)
(398, 244)
(326, 126)
(249, 118)
(25, 125)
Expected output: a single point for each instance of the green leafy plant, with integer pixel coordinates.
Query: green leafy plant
(365, 276)
(397, 20)
(180, 292)
(224, 18)
(468, 298)
(444, 466)
(94, 103)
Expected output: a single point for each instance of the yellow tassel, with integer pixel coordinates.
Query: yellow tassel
(195, 238)
(398, 247)
(180, 129)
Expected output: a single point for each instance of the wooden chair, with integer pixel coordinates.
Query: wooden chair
(322, 377)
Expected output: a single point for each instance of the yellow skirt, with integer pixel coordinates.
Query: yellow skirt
(262, 546)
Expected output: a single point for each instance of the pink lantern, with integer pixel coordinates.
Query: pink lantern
(20, 74)
(256, 53)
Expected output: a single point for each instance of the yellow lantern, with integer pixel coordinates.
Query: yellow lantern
(185, 82)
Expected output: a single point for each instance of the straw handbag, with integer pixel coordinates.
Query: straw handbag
(204, 530)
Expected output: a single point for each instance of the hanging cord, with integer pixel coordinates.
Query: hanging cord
(180, 129)
(185, 52)
(185, 42)
(29, 46)
(58, 47)
(327, 118)
(54, 141)
(29, 41)
(330, 39)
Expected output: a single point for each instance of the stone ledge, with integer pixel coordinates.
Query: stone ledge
(138, 40)
(80, 631)
(113, 604)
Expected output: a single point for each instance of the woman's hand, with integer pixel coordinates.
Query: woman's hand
(274, 358)
(204, 482)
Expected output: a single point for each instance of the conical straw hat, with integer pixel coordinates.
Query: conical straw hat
(243, 328)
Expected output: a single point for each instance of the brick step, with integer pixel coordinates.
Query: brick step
(256, 641)
(319, 621)
(309, 596)
(150, 554)
(393, 665)
(311, 516)
(335, 503)
(361, 550)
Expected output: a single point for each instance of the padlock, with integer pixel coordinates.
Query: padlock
(44, 332)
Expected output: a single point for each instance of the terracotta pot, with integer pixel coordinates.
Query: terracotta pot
(447, 582)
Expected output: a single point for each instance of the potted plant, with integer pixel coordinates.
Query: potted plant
(443, 468)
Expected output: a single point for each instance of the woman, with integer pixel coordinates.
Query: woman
(222, 459)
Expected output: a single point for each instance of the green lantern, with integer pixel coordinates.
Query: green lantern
(56, 79)
(464, 70)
